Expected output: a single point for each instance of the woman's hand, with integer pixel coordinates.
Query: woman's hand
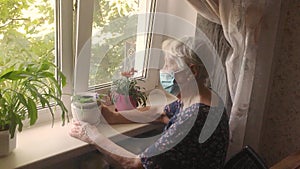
(84, 131)
(163, 118)
(129, 73)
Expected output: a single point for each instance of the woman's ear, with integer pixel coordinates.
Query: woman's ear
(195, 70)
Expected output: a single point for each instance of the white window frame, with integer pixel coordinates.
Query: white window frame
(69, 43)
(64, 55)
(83, 48)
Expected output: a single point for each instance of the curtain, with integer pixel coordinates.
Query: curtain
(240, 21)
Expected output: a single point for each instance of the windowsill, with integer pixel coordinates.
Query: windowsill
(43, 145)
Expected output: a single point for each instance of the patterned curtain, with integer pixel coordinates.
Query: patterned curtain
(240, 21)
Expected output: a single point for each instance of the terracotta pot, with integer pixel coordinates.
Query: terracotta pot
(7, 144)
(124, 102)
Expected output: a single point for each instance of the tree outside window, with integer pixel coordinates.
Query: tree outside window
(26, 31)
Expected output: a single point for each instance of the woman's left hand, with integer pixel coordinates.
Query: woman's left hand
(129, 73)
(84, 131)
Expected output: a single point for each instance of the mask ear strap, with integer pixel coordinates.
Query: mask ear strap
(174, 81)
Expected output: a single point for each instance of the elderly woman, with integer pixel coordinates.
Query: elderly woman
(183, 75)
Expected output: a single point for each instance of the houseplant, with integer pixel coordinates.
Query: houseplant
(126, 94)
(85, 107)
(24, 88)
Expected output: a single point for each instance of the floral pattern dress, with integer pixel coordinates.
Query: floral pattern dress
(179, 147)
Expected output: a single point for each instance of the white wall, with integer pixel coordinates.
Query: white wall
(182, 9)
(281, 126)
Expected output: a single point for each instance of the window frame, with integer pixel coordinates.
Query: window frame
(64, 54)
(83, 48)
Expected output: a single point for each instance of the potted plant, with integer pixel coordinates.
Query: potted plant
(126, 94)
(24, 89)
(85, 107)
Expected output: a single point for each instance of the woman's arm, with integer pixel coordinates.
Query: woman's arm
(114, 153)
(118, 155)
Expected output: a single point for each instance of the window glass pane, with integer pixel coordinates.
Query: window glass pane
(26, 31)
(111, 52)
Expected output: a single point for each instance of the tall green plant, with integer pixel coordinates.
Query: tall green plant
(25, 87)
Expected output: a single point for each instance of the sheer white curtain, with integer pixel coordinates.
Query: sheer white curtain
(240, 20)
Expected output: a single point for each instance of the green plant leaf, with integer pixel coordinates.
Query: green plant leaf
(45, 75)
(16, 75)
(44, 66)
(12, 126)
(63, 78)
(22, 99)
(6, 71)
(24, 56)
(43, 100)
(20, 124)
(32, 111)
(32, 89)
(128, 87)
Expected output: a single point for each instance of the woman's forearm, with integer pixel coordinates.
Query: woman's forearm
(113, 152)
(117, 155)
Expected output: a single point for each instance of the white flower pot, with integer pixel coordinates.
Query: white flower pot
(87, 112)
(7, 144)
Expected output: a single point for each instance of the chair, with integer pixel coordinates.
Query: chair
(245, 159)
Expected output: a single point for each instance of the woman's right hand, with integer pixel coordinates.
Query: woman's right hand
(81, 131)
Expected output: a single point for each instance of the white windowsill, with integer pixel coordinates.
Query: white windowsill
(43, 145)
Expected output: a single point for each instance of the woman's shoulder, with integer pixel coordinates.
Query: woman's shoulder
(203, 112)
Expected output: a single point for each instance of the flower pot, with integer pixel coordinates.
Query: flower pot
(124, 102)
(88, 112)
(7, 144)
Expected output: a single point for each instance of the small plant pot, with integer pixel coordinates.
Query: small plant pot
(86, 111)
(7, 144)
(124, 102)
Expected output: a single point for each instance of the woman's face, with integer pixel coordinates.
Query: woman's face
(169, 66)
(181, 75)
(167, 78)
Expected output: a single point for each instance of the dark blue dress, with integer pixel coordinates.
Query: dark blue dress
(179, 147)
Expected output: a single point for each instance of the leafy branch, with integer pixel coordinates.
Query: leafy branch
(10, 21)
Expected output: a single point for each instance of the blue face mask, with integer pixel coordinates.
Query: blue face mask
(167, 80)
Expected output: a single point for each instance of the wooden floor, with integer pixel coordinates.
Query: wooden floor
(290, 162)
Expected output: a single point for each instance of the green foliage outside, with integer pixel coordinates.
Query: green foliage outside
(26, 31)
(107, 59)
(27, 34)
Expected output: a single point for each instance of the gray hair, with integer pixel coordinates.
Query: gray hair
(187, 51)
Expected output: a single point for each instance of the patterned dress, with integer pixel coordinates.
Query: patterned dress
(179, 147)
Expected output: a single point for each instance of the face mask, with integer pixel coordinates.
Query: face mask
(168, 82)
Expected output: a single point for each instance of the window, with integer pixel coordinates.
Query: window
(31, 30)
(113, 44)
